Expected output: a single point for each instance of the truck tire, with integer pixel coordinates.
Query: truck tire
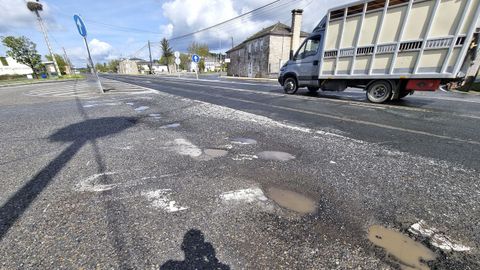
(379, 91)
(290, 86)
(313, 89)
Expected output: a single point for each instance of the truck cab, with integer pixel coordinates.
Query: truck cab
(303, 69)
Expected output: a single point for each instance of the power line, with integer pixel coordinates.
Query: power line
(224, 22)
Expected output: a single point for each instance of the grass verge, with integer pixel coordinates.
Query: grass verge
(32, 81)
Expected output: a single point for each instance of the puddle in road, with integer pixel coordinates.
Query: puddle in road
(291, 200)
(407, 252)
(275, 155)
(174, 125)
(215, 153)
(243, 141)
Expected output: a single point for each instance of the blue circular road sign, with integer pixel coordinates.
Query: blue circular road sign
(82, 30)
(195, 58)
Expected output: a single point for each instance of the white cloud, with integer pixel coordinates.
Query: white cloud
(101, 52)
(186, 16)
(99, 48)
(15, 15)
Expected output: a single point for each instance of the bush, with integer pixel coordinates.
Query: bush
(475, 86)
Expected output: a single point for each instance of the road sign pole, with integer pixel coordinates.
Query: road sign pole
(93, 66)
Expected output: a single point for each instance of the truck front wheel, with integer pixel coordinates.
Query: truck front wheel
(379, 91)
(290, 86)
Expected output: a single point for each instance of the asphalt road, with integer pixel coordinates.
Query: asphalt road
(219, 174)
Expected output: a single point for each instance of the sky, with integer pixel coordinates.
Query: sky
(120, 28)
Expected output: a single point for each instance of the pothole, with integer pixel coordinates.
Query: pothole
(215, 153)
(291, 200)
(408, 253)
(245, 141)
(275, 155)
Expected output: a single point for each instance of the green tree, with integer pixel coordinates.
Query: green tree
(113, 65)
(101, 67)
(60, 61)
(24, 51)
(185, 61)
(167, 53)
(202, 50)
(197, 48)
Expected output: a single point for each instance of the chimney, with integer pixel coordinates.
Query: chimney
(296, 28)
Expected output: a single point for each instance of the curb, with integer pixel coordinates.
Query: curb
(249, 79)
(40, 82)
(471, 92)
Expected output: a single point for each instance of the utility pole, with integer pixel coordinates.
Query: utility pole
(36, 7)
(232, 42)
(150, 54)
(67, 60)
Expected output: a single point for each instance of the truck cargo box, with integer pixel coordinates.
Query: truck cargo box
(398, 39)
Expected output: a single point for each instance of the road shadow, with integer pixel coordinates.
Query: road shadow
(78, 134)
(198, 254)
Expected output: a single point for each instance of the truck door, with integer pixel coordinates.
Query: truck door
(307, 61)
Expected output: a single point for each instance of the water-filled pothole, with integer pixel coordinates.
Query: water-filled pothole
(275, 155)
(291, 200)
(243, 141)
(404, 250)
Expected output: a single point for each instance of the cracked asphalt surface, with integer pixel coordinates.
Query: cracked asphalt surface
(175, 176)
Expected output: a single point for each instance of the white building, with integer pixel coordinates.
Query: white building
(8, 66)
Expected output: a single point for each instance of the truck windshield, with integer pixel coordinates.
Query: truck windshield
(309, 48)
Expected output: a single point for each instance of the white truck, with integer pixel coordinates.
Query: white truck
(390, 48)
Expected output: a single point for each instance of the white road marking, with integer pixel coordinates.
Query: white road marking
(241, 157)
(141, 108)
(90, 185)
(346, 119)
(437, 238)
(245, 195)
(185, 148)
(161, 199)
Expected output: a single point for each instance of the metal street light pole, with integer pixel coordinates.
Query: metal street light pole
(36, 7)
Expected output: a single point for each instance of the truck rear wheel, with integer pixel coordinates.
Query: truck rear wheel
(379, 91)
(290, 86)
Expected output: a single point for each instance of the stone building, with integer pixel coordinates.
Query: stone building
(128, 66)
(263, 54)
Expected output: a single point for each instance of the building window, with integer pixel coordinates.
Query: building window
(4, 62)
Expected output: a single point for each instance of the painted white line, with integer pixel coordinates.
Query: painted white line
(90, 185)
(161, 198)
(141, 108)
(185, 148)
(241, 157)
(349, 102)
(437, 238)
(245, 195)
(346, 119)
(341, 118)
